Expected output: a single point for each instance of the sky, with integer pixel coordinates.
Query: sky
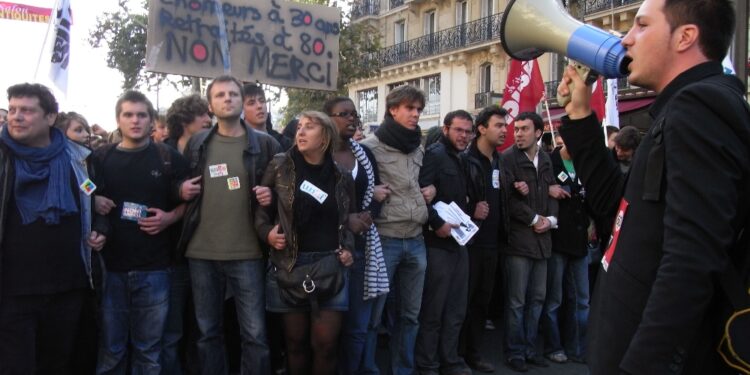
(93, 88)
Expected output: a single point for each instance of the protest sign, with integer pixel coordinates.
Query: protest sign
(270, 41)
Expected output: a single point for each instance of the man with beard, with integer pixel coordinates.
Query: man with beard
(447, 274)
(530, 245)
(659, 306)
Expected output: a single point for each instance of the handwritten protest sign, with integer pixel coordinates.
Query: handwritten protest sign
(271, 41)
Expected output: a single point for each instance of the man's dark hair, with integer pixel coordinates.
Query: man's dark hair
(483, 118)
(225, 78)
(535, 118)
(715, 20)
(34, 90)
(628, 138)
(403, 94)
(251, 90)
(612, 129)
(134, 96)
(183, 111)
(330, 103)
(460, 113)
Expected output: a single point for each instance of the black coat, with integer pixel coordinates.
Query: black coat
(658, 308)
(477, 187)
(571, 236)
(522, 238)
(445, 169)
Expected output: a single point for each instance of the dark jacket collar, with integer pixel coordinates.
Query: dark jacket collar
(475, 152)
(685, 78)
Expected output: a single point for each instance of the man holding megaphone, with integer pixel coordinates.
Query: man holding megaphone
(660, 303)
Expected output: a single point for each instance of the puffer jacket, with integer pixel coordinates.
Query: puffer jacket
(280, 176)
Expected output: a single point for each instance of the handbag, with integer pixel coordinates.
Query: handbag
(734, 346)
(309, 283)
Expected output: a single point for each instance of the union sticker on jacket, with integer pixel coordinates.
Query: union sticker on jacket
(88, 187)
(233, 183)
(314, 191)
(218, 170)
(496, 178)
(562, 176)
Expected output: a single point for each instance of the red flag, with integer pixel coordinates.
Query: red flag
(597, 99)
(524, 89)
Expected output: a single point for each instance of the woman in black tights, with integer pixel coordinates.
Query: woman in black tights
(309, 222)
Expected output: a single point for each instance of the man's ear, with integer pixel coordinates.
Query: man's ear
(685, 37)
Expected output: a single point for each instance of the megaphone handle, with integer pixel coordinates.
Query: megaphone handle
(587, 75)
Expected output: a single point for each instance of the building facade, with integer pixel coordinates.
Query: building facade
(451, 49)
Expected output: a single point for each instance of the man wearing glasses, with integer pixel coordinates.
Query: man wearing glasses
(447, 278)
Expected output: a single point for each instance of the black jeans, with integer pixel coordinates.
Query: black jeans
(482, 267)
(443, 312)
(38, 332)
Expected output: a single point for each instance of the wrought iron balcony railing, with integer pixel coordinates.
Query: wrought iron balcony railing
(364, 8)
(476, 32)
(396, 3)
(624, 90)
(484, 99)
(594, 6)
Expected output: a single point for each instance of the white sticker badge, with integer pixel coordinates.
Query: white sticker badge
(314, 191)
(562, 177)
(496, 178)
(233, 183)
(218, 170)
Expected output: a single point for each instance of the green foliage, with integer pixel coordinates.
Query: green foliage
(124, 33)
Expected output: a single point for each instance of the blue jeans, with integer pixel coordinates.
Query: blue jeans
(178, 298)
(408, 258)
(525, 283)
(567, 278)
(354, 343)
(210, 279)
(134, 312)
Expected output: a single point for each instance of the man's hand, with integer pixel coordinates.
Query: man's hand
(345, 257)
(157, 223)
(276, 239)
(360, 222)
(190, 188)
(482, 210)
(102, 205)
(557, 192)
(445, 230)
(428, 193)
(542, 225)
(96, 241)
(381, 192)
(580, 101)
(521, 187)
(263, 195)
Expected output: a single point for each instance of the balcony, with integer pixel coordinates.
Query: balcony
(396, 3)
(485, 99)
(365, 8)
(472, 33)
(595, 6)
(625, 91)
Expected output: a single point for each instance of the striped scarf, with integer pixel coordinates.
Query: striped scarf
(376, 277)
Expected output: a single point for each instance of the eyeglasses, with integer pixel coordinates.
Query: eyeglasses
(462, 131)
(345, 114)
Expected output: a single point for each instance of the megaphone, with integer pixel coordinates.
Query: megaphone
(532, 27)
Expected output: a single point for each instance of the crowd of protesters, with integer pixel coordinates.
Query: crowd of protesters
(173, 243)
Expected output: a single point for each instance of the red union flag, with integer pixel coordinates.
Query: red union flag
(524, 89)
(597, 99)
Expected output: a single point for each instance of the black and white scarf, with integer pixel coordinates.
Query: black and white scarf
(376, 277)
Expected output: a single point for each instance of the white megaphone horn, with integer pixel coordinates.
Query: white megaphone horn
(532, 27)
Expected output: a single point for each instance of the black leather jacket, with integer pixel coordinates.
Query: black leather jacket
(476, 188)
(260, 149)
(281, 178)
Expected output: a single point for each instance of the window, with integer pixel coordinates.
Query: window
(429, 22)
(485, 77)
(399, 35)
(431, 87)
(462, 13)
(368, 105)
(486, 8)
